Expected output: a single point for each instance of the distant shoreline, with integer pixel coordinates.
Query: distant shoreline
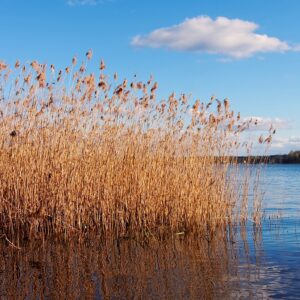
(291, 158)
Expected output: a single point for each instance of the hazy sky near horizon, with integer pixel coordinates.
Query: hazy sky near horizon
(247, 51)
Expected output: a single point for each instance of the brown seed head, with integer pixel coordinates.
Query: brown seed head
(226, 104)
(27, 79)
(13, 133)
(35, 66)
(41, 79)
(3, 66)
(154, 87)
(268, 140)
(17, 64)
(89, 54)
(102, 65)
(82, 68)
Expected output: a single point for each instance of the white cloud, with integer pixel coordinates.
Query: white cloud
(232, 38)
(296, 48)
(279, 145)
(82, 2)
(291, 143)
(264, 124)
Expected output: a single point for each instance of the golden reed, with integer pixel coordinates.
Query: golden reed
(80, 153)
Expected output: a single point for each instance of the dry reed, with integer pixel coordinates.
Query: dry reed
(79, 154)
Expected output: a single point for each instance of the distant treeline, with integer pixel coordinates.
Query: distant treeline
(292, 158)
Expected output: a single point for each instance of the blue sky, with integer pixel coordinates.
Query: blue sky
(254, 61)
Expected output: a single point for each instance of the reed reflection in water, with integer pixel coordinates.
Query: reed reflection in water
(177, 268)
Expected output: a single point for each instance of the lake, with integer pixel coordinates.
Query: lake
(250, 262)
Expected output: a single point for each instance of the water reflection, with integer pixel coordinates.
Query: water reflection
(179, 268)
(239, 264)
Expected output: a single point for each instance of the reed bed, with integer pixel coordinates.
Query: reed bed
(82, 152)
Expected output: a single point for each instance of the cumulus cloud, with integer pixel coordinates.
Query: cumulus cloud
(279, 145)
(232, 38)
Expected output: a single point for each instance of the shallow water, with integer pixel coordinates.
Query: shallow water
(281, 184)
(249, 263)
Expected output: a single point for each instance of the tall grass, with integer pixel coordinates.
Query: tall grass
(81, 153)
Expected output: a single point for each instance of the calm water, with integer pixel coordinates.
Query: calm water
(250, 263)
